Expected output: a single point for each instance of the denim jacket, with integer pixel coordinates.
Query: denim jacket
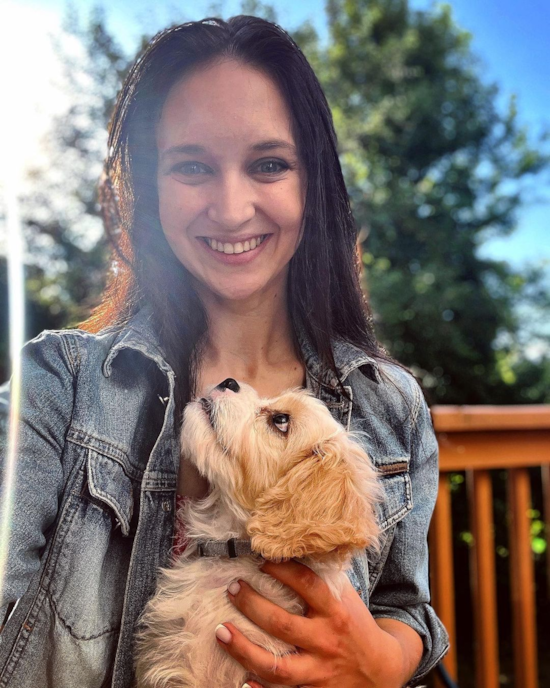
(95, 488)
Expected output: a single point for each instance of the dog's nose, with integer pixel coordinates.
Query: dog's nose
(229, 383)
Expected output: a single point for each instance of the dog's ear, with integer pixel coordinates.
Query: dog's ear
(323, 504)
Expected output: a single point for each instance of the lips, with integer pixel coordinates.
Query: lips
(235, 247)
(238, 258)
(234, 240)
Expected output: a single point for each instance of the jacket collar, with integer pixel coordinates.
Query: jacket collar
(139, 334)
(347, 358)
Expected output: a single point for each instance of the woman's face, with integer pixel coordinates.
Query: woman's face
(228, 178)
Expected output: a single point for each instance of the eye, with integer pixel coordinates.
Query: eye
(272, 166)
(192, 169)
(280, 421)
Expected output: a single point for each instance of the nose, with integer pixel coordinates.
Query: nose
(229, 383)
(233, 204)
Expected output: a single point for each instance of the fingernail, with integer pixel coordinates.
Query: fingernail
(234, 589)
(223, 634)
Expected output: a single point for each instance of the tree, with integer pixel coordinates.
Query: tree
(428, 160)
(67, 251)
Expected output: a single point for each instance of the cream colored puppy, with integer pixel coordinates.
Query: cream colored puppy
(285, 476)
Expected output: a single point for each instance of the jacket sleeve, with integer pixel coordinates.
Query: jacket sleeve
(46, 404)
(402, 591)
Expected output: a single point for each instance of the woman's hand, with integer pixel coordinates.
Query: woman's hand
(339, 642)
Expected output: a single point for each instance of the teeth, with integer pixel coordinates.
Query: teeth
(235, 248)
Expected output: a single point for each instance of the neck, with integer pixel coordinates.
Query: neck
(248, 335)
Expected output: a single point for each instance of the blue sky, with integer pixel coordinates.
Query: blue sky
(511, 38)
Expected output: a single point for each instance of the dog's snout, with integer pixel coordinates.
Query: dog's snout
(229, 383)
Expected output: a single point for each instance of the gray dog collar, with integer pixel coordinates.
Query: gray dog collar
(231, 548)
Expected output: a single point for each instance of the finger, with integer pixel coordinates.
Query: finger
(293, 629)
(311, 588)
(288, 670)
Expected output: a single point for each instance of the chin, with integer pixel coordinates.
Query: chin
(240, 292)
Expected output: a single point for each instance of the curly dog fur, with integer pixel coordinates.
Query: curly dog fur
(284, 474)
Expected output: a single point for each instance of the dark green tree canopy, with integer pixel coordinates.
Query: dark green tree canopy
(433, 169)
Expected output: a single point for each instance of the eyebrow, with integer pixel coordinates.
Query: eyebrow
(194, 149)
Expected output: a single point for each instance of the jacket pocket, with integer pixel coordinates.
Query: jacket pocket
(87, 569)
(397, 503)
(396, 481)
(108, 483)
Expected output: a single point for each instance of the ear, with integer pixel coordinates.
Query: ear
(323, 504)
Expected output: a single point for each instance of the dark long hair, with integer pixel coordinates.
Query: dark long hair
(324, 292)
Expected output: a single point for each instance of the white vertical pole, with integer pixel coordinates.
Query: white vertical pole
(16, 290)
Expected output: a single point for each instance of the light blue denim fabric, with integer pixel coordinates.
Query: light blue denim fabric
(95, 495)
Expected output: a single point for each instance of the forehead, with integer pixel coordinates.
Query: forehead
(228, 102)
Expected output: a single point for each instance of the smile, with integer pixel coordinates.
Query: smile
(239, 247)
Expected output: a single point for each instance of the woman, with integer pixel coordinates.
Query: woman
(237, 259)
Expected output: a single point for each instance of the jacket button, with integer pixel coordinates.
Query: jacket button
(166, 505)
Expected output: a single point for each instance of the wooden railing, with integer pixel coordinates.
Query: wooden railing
(477, 439)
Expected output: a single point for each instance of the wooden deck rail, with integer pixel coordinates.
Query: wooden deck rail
(477, 439)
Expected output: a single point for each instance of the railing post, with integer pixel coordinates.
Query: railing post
(522, 580)
(545, 470)
(441, 557)
(483, 578)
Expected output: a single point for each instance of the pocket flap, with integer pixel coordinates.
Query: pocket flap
(396, 481)
(108, 482)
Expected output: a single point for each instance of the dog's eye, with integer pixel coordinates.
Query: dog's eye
(280, 421)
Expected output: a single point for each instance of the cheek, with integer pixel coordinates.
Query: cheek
(291, 217)
(177, 206)
(170, 206)
(289, 204)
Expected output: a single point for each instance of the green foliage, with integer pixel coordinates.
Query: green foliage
(67, 252)
(259, 9)
(429, 162)
(537, 531)
(467, 538)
